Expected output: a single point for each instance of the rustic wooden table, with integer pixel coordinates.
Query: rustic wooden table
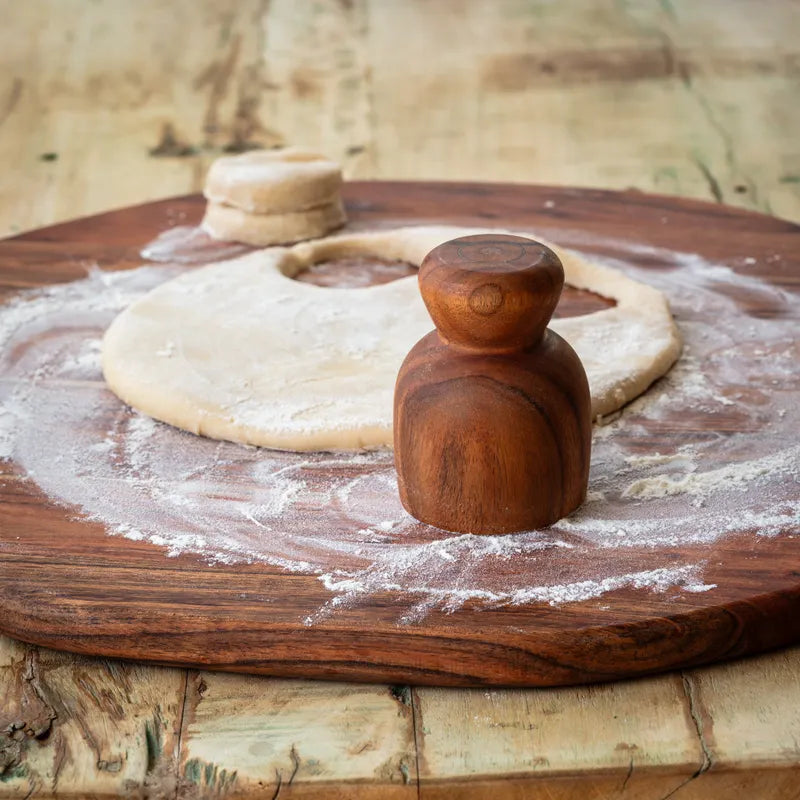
(111, 103)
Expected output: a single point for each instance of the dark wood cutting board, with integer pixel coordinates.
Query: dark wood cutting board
(66, 583)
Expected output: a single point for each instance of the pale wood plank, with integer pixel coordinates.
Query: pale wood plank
(256, 737)
(76, 727)
(622, 739)
(730, 730)
(667, 98)
(678, 98)
(749, 711)
(741, 78)
(101, 86)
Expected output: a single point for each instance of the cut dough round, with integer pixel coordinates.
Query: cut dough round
(238, 350)
(278, 181)
(233, 224)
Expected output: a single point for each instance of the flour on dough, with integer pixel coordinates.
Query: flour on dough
(238, 350)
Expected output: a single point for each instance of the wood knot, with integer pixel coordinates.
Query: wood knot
(486, 299)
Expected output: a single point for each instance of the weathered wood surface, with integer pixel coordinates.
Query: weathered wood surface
(99, 109)
(695, 99)
(76, 727)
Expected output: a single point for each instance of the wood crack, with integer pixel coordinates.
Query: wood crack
(627, 776)
(295, 758)
(279, 778)
(689, 690)
(414, 702)
(13, 99)
(694, 713)
(179, 742)
(713, 183)
(296, 762)
(31, 677)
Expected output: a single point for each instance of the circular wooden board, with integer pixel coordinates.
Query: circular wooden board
(66, 583)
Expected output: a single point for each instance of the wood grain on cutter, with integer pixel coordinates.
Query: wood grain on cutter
(70, 586)
(492, 413)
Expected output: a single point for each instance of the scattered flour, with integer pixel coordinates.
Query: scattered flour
(734, 476)
(186, 244)
(338, 516)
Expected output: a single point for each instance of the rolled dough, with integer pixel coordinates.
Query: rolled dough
(238, 350)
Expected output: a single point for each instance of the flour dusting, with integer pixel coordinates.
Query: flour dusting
(337, 516)
(187, 244)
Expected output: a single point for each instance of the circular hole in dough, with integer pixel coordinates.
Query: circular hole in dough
(238, 350)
